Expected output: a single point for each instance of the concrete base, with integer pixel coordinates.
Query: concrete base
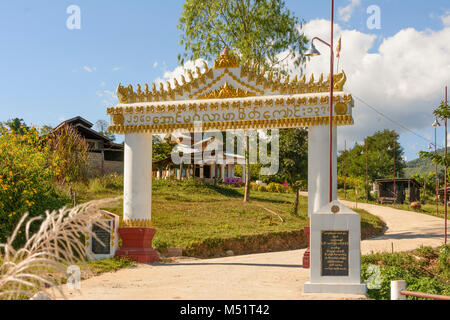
(349, 288)
(137, 244)
(307, 255)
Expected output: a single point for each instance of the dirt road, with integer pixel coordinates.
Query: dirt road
(275, 275)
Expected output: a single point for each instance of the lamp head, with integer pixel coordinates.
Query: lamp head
(436, 123)
(312, 51)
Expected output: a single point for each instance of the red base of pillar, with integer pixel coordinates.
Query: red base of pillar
(137, 244)
(307, 254)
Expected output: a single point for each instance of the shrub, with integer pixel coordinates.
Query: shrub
(71, 152)
(272, 187)
(254, 186)
(235, 181)
(26, 172)
(281, 188)
(444, 261)
(403, 266)
(262, 188)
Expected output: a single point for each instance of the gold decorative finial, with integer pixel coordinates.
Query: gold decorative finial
(225, 60)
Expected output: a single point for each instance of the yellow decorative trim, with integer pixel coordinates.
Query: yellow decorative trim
(241, 124)
(340, 108)
(208, 86)
(259, 101)
(226, 91)
(243, 83)
(128, 95)
(118, 119)
(136, 223)
(225, 60)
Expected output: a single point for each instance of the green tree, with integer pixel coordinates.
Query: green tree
(442, 112)
(17, 125)
(294, 159)
(257, 30)
(45, 130)
(162, 148)
(102, 128)
(380, 157)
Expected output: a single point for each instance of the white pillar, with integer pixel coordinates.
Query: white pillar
(243, 172)
(232, 170)
(213, 170)
(179, 171)
(137, 193)
(222, 171)
(158, 174)
(318, 167)
(201, 172)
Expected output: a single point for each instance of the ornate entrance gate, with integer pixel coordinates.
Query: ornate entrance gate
(228, 96)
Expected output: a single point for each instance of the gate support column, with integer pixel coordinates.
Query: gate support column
(318, 175)
(136, 227)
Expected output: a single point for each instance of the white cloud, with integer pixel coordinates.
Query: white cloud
(116, 69)
(403, 79)
(108, 98)
(345, 13)
(446, 19)
(89, 69)
(155, 64)
(180, 70)
(102, 84)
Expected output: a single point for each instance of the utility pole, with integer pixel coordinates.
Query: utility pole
(367, 172)
(445, 191)
(395, 188)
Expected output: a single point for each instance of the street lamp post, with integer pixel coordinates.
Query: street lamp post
(314, 52)
(395, 188)
(445, 191)
(436, 124)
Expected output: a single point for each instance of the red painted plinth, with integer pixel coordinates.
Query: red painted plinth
(307, 254)
(137, 244)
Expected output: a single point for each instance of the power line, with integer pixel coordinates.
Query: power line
(393, 121)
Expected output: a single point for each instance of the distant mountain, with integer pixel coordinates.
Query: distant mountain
(419, 166)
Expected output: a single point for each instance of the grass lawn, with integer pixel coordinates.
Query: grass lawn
(97, 267)
(197, 217)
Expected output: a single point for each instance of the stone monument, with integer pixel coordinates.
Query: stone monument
(335, 251)
(107, 241)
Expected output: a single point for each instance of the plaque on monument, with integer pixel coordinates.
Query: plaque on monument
(105, 242)
(334, 253)
(102, 245)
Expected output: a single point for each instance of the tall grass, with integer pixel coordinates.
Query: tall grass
(42, 262)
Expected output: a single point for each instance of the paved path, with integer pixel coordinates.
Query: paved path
(276, 275)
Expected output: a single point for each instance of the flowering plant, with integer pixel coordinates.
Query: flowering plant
(27, 168)
(236, 181)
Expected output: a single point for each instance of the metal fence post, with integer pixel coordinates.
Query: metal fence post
(396, 287)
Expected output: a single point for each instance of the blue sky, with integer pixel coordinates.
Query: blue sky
(49, 73)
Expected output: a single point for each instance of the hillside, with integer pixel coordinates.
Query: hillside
(419, 166)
